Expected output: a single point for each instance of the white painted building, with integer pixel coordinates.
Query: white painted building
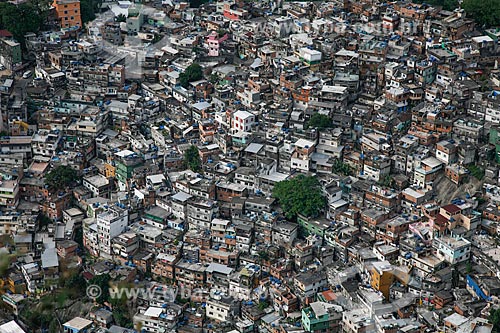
(243, 121)
(109, 225)
(452, 250)
(98, 185)
(156, 319)
(221, 308)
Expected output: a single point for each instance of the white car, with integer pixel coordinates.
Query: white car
(27, 74)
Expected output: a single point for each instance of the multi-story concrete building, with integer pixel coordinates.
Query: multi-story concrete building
(243, 121)
(46, 143)
(322, 317)
(157, 319)
(446, 152)
(376, 167)
(68, 13)
(110, 224)
(301, 156)
(200, 213)
(10, 53)
(309, 283)
(99, 185)
(452, 250)
(9, 193)
(16, 144)
(222, 308)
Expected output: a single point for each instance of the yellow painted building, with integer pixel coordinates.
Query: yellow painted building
(382, 278)
(15, 284)
(109, 170)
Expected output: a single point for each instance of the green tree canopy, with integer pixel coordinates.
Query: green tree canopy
(213, 78)
(36, 319)
(320, 121)
(495, 319)
(5, 260)
(43, 221)
(102, 281)
(446, 4)
(300, 195)
(342, 168)
(61, 177)
(192, 73)
(120, 312)
(197, 3)
(192, 159)
(485, 12)
(89, 8)
(263, 305)
(23, 18)
(264, 255)
(386, 181)
(121, 18)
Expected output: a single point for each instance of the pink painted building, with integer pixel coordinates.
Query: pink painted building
(213, 43)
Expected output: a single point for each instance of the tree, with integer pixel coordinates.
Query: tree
(121, 18)
(213, 78)
(121, 317)
(485, 12)
(33, 16)
(264, 255)
(495, 319)
(192, 73)
(61, 177)
(319, 121)
(5, 259)
(42, 6)
(36, 319)
(120, 311)
(34, 12)
(300, 195)
(53, 326)
(386, 181)
(342, 168)
(79, 237)
(263, 305)
(71, 281)
(446, 4)
(89, 8)
(192, 159)
(102, 281)
(156, 38)
(43, 221)
(197, 3)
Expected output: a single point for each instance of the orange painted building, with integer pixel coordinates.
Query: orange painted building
(68, 13)
(109, 170)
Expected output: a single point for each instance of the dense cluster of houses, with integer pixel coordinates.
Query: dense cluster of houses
(406, 153)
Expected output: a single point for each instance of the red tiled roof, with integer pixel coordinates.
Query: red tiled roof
(441, 220)
(329, 295)
(5, 33)
(452, 209)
